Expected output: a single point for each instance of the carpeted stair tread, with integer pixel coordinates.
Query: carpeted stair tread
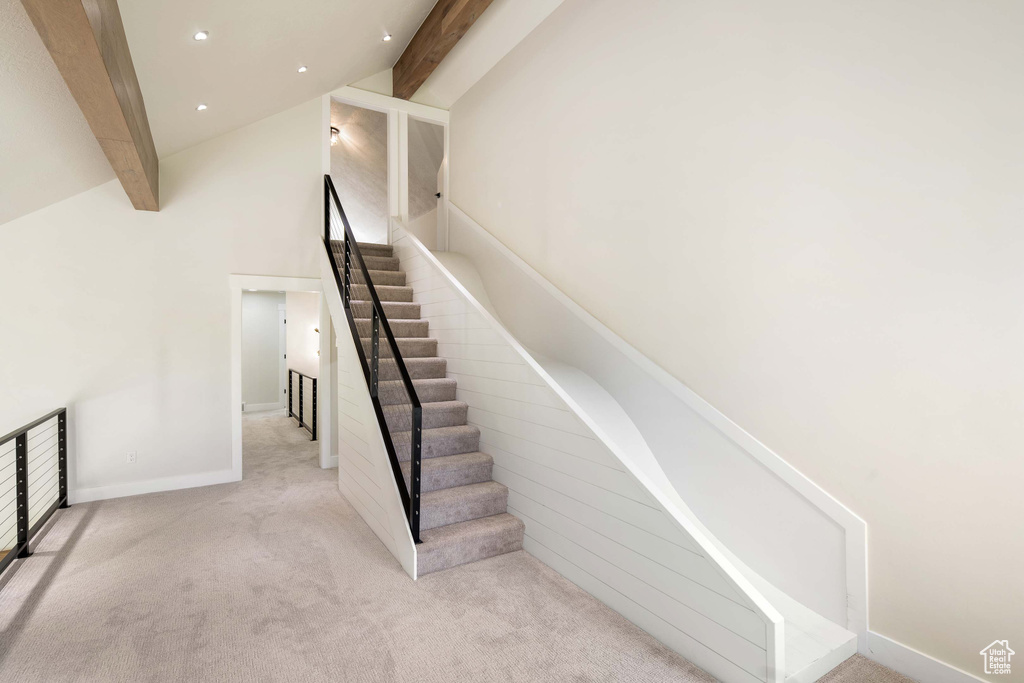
(478, 539)
(393, 310)
(461, 504)
(377, 262)
(394, 278)
(463, 511)
(405, 329)
(410, 347)
(440, 442)
(452, 470)
(365, 247)
(431, 390)
(419, 368)
(435, 415)
(384, 292)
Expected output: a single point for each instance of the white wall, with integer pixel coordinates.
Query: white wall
(808, 213)
(303, 339)
(124, 316)
(359, 169)
(261, 352)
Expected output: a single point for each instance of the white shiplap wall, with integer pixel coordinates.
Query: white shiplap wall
(587, 513)
(364, 472)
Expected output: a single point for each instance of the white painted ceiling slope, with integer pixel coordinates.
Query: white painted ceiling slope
(247, 69)
(47, 152)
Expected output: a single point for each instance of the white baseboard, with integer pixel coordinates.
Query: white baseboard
(332, 463)
(136, 488)
(256, 407)
(914, 664)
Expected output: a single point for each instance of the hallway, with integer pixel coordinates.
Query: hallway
(277, 578)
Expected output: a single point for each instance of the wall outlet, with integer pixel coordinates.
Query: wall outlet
(132, 457)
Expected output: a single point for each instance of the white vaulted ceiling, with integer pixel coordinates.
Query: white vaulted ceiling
(47, 152)
(246, 70)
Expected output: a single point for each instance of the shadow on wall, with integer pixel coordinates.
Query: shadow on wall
(359, 168)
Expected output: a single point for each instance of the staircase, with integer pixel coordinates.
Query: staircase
(463, 515)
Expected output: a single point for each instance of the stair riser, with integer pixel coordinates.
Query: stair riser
(377, 262)
(409, 348)
(501, 539)
(419, 368)
(446, 479)
(366, 247)
(463, 510)
(392, 394)
(399, 418)
(384, 293)
(399, 328)
(393, 310)
(379, 277)
(467, 442)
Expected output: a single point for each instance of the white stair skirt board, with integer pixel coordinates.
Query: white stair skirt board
(601, 513)
(364, 471)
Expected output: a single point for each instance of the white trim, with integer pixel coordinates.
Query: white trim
(855, 528)
(372, 100)
(135, 488)
(258, 407)
(236, 283)
(909, 662)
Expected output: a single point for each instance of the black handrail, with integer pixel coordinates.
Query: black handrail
(299, 416)
(379, 321)
(22, 512)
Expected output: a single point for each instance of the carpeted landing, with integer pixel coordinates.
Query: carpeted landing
(276, 578)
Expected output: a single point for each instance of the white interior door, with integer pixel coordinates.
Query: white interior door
(442, 204)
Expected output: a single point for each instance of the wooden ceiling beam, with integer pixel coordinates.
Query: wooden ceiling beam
(86, 40)
(441, 30)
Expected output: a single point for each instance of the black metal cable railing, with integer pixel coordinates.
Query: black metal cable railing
(398, 409)
(33, 482)
(302, 387)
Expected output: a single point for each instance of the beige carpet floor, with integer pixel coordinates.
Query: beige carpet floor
(276, 578)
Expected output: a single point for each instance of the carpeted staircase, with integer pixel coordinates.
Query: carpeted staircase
(463, 515)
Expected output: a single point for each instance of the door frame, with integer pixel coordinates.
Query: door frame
(325, 384)
(398, 112)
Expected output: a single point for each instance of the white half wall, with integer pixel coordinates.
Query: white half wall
(809, 214)
(124, 316)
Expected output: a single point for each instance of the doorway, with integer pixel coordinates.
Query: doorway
(260, 307)
(426, 181)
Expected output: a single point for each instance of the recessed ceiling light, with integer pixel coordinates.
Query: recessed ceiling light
(302, 69)
(387, 37)
(201, 107)
(202, 35)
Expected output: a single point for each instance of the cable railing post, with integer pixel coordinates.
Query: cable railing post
(300, 400)
(414, 475)
(374, 351)
(313, 421)
(291, 413)
(21, 477)
(62, 456)
(348, 274)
